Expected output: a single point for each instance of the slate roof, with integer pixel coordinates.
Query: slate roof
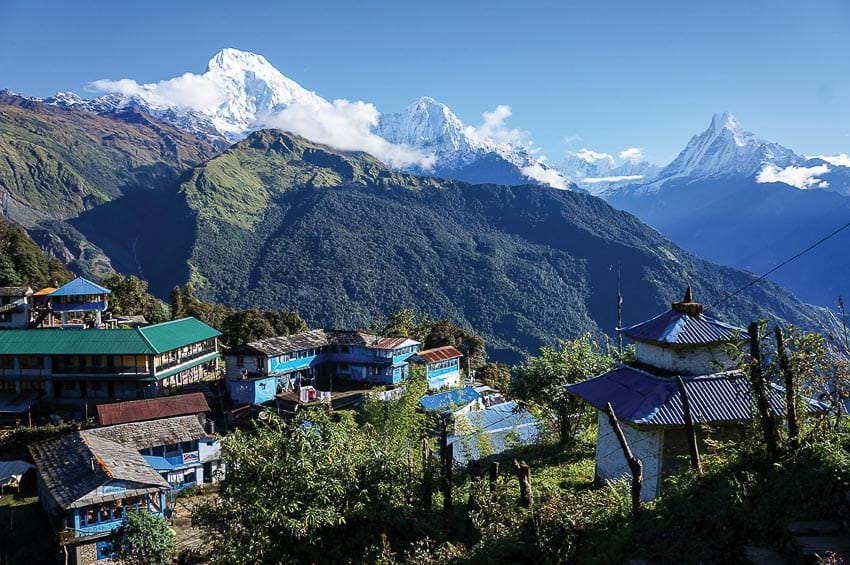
(136, 341)
(312, 339)
(142, 435)
(151, 408)
(75, 465)
(439, 354)
(645, 399)
(80, 287)
(15, 291)
(681, 328)
(449, 400)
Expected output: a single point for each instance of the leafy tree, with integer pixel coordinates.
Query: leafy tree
(540, 381)
(244, 326)
(143, 539)
(130, 297)
(304, 491)
(407, 322)
(8, 274)
(400, 421)
(286, 323)
(495, 375)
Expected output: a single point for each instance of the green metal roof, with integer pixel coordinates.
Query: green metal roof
(177, 333)
(137, 341)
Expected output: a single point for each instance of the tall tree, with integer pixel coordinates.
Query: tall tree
(541, 380)
(177, 310)
(130, 297)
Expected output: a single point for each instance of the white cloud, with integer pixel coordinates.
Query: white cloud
(494, 130)
(595, 180)
(570, 139)
(545, 175)
(799, 177)
(633, 154)
(347, 126)
(840, 160)
(195, 92)
(591, 156)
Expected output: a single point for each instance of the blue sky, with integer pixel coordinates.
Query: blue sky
(604, 75)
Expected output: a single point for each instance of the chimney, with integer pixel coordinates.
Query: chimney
(687, 305)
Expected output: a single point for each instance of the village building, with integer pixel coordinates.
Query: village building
(442, 366)
(454, 401)
(88, 480)
(15, 306)
(73, 367)
(684, 342)
(260, 370)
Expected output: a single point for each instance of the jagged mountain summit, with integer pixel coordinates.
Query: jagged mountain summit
(726, 148)
(460, 152)
(241, 92)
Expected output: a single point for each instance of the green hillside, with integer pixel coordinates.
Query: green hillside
(282, 222)
(58, 163)
(23, 263)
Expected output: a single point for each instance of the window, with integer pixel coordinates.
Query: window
(32, 362)
(7, 362)
(186, 446)
(159, 451)
(240, 361)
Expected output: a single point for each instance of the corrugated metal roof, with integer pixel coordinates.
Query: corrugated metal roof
(177, 333)
(681, 328)
(52, 341)
(439, 354)
(645, 399)
(151, 408)
(136, 341)
(449, 400)
(80, 287)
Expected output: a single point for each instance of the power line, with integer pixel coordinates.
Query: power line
(779, 266)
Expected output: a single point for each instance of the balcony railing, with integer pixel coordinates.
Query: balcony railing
(185, 359)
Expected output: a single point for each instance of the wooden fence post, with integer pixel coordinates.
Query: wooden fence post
(693, 448)
(760, 390)
(523, 473)
(790, 387)
(635, 464)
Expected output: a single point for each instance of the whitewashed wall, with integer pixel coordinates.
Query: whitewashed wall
(689, 361)
(645, 445)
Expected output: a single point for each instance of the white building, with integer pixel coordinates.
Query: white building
(645, 396)
(15, 306)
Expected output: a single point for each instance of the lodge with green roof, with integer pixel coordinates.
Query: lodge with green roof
(74, 366)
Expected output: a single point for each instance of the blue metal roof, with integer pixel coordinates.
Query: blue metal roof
(493, 431)
(681, 328)
(158, 463)
(449, 400)
(645, 399)
(80, 287)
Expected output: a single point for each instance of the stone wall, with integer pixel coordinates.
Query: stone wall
(685, 360)
(645, 445)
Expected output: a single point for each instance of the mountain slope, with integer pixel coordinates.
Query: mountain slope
(283, 222)
(57, 163)
(737, 199)
(23, 263)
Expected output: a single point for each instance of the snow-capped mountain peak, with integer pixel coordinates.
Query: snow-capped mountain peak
(726, 148)
(425, 124)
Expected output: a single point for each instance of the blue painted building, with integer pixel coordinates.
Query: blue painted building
(442, 366)
(80, 303)
(89, 480)
(259, 370)
(453, 401)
